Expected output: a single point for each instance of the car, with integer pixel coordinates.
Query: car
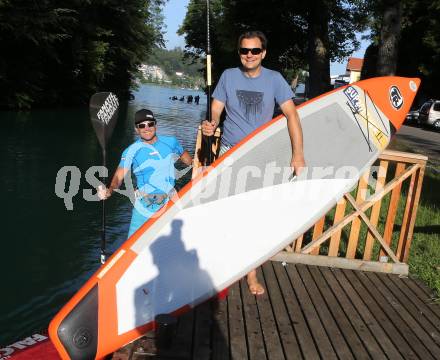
(412, 118)
(430, 114)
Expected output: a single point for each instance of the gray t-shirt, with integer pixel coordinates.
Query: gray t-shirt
(249, 102)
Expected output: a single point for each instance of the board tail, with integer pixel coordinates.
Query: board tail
(393, 95)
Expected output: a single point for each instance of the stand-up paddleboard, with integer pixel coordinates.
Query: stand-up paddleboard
(233, 217)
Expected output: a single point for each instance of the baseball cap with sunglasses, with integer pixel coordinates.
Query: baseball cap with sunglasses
(143, 115)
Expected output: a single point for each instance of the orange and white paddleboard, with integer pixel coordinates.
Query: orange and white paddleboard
(233, 217)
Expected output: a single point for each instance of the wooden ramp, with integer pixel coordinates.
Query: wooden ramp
(308, 312)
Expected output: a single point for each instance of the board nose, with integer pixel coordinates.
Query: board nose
(393, 95)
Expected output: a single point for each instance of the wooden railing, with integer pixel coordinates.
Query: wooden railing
(370, 228)
(381, 211)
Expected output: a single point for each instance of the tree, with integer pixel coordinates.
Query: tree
(318, 18)
(418, 46)
(389, 37)
(60, 52)
(301, 35)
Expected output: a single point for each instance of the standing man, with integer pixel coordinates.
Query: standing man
(248, 94)
(151, 159)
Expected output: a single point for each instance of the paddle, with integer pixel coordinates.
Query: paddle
(208, 139)
(103, 115)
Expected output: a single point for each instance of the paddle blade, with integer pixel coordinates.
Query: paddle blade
(104, 108)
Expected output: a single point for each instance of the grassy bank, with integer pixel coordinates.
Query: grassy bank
(424, 260)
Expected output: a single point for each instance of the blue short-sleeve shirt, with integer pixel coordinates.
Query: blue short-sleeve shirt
(153, 164)
(249, 102)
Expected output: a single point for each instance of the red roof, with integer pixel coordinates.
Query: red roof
(355, 64)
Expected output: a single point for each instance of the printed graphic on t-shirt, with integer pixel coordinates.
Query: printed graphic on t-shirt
(251, 102)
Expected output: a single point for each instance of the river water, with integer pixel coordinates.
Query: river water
(48, 252)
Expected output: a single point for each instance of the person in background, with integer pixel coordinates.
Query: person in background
(151, 159)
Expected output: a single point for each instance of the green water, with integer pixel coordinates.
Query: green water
(48, 252)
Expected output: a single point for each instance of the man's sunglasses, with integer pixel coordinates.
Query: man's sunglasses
(254, 51)
(146, 124)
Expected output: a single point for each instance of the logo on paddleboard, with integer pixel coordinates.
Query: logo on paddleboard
(396, 97)
(82, 338)
(353, 97)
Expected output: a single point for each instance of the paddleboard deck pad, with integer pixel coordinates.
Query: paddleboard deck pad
(233, 217)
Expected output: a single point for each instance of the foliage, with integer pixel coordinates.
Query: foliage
(419, 43)
(60, 52)
(285, 22)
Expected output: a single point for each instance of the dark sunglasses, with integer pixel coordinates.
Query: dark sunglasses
(254, 51)
(144, 125)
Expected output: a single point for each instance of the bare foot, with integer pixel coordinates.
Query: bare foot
(254, 286)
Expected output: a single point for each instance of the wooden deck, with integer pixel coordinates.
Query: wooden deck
(308, 312)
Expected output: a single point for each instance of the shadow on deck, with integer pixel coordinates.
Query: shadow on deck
(308, 312)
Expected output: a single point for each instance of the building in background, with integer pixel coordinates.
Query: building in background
(354, 68)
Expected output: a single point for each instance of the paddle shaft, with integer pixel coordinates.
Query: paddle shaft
(103, 240)
(208, 82)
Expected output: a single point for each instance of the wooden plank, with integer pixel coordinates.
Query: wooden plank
(220, 333)
(320, 337)
(317, 231)
(364, 207)
(288, 339)
(182, 342)
(422, 302)
(353, 341)
(413, 214)
(424, 293)
(398, 324)
(342, 263)
(335, 239)
(252, 323)
(202, 332)
(402, 156)
(268, 325)
(350, 309)
(392, 208)
(375, 211)
(380, 326)
(414, 306)
(405, 314)
(356, 223)
(337, 339)
(236, 324)
(406, 217)
(308, 347)
(298, 243)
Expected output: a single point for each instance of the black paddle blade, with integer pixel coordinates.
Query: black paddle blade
(104, 108)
